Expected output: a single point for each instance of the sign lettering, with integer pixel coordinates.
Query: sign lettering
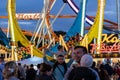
(109, 44)
(28, 16)
(111, 38)
(105, 48)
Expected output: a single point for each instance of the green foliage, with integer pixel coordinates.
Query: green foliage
(25, 55)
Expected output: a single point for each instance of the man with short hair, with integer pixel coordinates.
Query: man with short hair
(77, 53)
(59, 67)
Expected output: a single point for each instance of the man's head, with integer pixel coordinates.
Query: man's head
(10, 69)
(38, 66)
(86, 60)
(46, 69)
(31, 65)
(60, 59)
(19, 64)
(79, 51)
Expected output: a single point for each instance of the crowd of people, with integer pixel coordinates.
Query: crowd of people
(80, 67)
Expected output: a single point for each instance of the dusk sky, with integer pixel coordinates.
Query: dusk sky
(35, 6)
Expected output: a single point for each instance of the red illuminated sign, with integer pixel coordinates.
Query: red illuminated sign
(115, 48)
(109, 44)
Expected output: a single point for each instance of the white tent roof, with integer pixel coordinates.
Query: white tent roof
(33, 60)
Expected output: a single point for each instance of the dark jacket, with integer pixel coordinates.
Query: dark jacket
(109, 69)
(30, 74)
(82, 73)
(104, 75)
(45, 77)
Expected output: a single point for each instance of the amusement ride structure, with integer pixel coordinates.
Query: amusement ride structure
(44, 28)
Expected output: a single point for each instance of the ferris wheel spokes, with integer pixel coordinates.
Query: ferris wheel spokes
(40, 24)
(48, 26)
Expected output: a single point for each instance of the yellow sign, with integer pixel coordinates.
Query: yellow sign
(111, 38)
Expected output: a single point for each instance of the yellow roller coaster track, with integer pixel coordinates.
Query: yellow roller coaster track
(15, 31)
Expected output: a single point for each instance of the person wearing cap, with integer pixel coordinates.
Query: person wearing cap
(84, 71)
(87, 61)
